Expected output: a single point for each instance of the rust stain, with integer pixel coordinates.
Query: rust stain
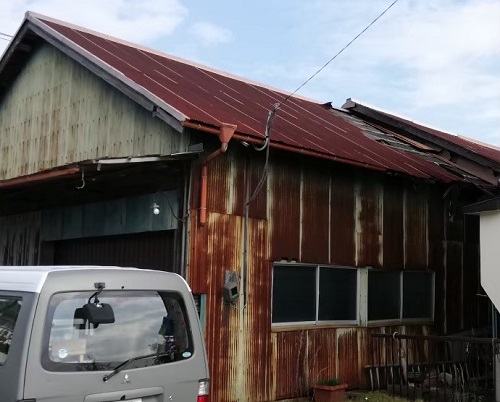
(285, 210)
(257, 323)
(393, 237)
(342, 217)
(348, 356)
(315, 213)
(416, 226)
(321, 355)
(291, 361)
(369, 226)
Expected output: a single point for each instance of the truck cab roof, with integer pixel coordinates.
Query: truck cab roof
(33, 278)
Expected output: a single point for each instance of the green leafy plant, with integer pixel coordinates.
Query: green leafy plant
(330, 382)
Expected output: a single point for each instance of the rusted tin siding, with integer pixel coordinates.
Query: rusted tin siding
(257, 315)
(416, 221)
(285, 209)
(290, 363)
(315, 222)
(343, 204)
(393, 239)
(369, 222)
(454, 286)
(348, 356)
(215, 249)
(356, 214)
(56, 112)
(20, 239)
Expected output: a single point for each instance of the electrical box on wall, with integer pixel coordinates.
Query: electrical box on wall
(231, 291)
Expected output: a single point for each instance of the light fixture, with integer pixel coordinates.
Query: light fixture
(156, 208)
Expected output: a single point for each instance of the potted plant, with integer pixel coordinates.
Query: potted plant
(329, 390)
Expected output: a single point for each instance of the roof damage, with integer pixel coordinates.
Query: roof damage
(185, 94)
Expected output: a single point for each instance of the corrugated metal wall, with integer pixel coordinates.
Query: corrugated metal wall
(317, 213)
(56, 112)
(20, 239)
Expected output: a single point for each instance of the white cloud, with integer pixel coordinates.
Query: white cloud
(135, 21)
(209, 34)
(426, 59)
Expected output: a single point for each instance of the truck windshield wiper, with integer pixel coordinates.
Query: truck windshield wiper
(122, 366)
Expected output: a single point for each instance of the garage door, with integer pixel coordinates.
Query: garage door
(151, 250)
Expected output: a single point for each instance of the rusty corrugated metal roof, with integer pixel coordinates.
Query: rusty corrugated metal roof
(193, 93)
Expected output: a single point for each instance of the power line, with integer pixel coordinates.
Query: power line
(8, 40)
(272, 113)
(7, 35)
(339, 52)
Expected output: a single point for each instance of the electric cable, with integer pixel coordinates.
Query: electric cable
(272, 112)
(340, 51)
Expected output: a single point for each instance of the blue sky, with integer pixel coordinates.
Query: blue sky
(435, 62)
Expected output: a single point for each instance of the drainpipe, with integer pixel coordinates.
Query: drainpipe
(225, 133)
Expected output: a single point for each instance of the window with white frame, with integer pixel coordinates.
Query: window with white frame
(313, 293)
(400, 295)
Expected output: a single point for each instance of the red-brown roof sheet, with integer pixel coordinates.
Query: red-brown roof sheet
(209, 97)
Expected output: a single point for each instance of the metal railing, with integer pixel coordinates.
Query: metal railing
(434, 367)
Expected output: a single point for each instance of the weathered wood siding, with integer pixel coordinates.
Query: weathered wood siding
(56, 112)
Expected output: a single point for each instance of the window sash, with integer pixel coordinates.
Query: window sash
(317, 321)
(401, 318)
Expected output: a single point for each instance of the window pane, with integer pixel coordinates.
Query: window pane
(9, 311)
(383, 295)
(417, 294)
(338, 291)
(146, 322)
(294, 293)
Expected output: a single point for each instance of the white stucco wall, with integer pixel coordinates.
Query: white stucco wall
(490, 255)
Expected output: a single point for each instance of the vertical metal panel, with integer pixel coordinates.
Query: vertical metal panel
(342, 218)
(285, 209)
(291, 363)
(472, 303)
(437, 253)
(255, 168)
(393, 229)
(454, 286)
(220, 181)
(20, 239)
(216, 248)
(257, 316)
(348, 353)
(315, 213)
(416, 220)
(369, 222)
(322, 354)
(142, 250)
(56, 112)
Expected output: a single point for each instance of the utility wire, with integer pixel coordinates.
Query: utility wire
(340, 51)
(7, 35)
(8, 40)
(276, 107)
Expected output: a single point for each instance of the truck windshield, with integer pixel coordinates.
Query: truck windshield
(146, 323)
(9, 311)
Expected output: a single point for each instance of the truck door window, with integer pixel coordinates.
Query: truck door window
(9, 311)
(146, 323)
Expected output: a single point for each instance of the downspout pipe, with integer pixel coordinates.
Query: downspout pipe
(225, 133)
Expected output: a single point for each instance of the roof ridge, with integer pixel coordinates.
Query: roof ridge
(137, 46)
